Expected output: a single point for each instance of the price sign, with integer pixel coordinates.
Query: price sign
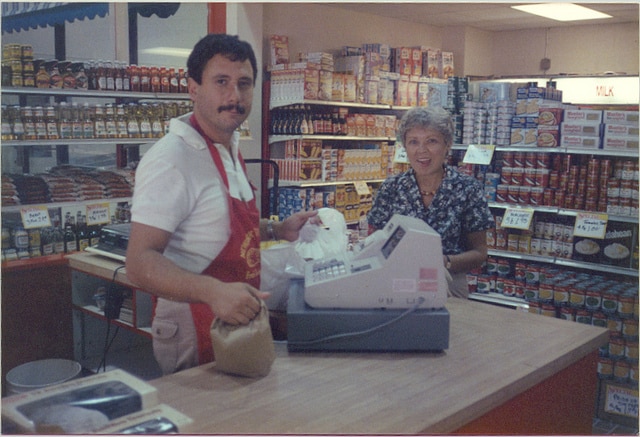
(479, 154)
(517, 218)
(591, 225)
(622, 401)
(35, 217)
(400, 155)
(362, 188)
(98, 214)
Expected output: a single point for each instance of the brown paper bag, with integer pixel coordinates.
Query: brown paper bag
(245, 350)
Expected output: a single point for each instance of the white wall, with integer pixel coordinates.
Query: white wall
(591, 49)
(321, 27)
(575, 49)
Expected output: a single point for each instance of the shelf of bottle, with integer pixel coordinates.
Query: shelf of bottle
(280, 138)
(84, 142)
(57, 205)
(630, 153)
(274, 104)
(562, 211)
(302, 184)
(26, 91)
(565, 262)
(93, 310)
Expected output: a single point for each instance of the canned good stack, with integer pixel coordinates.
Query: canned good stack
(598, 184)
(17, 65)
(487, 122)
(587, 298)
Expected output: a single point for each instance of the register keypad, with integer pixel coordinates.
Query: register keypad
(328, 270)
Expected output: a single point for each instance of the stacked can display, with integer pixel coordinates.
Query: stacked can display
(592, 299)
(568, 181)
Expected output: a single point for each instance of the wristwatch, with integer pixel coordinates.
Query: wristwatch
(448, 264)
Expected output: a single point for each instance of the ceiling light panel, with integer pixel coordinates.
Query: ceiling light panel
(562, 11)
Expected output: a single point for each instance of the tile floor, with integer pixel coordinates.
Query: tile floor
(603, 427)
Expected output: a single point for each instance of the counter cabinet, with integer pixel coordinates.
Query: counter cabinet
(505, 372)
(129, 335)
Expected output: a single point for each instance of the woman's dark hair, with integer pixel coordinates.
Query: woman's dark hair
(229, 46)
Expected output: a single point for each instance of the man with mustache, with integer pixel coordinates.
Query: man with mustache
(196, 230)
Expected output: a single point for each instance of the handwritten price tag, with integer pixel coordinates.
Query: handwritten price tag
(35, 217)
(591, 225)
(479, 154)
(362, 188)
(622, 401)
(517, 218)
(400, 155)
(98, 214)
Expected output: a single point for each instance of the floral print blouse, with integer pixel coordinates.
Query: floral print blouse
(458, 208)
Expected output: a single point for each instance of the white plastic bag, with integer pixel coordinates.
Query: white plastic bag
(283, 262)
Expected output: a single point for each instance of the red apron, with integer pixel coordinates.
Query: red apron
(239, 260)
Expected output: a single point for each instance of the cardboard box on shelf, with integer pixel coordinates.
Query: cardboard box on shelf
(621, 117)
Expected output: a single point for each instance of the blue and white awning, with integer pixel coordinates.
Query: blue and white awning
(17, 16)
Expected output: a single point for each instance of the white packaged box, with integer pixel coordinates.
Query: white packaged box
(582, 116)
(80, 405)
(579, 142)
(621, 117)
(580, 129)
(620, 142)
(620, 130)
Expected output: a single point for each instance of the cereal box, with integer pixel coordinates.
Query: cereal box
(279, 45)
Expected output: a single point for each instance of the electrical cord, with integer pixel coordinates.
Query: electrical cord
(362, 332)
(111, 301)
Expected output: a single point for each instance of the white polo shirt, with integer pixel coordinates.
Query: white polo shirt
(179, 189)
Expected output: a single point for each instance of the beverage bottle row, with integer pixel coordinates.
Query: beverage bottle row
(302, 120)
(73, 234)
(74, 121)
(94, 75)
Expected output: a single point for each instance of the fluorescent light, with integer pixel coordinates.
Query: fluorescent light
(562, 11)
(167, 51)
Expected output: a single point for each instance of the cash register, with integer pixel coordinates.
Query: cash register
(387, 295)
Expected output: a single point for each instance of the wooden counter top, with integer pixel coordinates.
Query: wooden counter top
(99, 266)
(494, 354)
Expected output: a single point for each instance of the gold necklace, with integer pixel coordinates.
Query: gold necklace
(427, 193)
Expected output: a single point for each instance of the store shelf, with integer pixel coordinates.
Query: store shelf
(54, 205)
(631, 153)
(273, 104)
(562, 211)
(280, 138)
(32, 263)
(80, 141)
(282, 184)
(565, 262)
(93, 93)
(500, 299)
(98, 313)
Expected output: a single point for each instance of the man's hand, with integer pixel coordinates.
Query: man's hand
(236, 303)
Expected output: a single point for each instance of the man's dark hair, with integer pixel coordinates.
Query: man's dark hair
(229, 46)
